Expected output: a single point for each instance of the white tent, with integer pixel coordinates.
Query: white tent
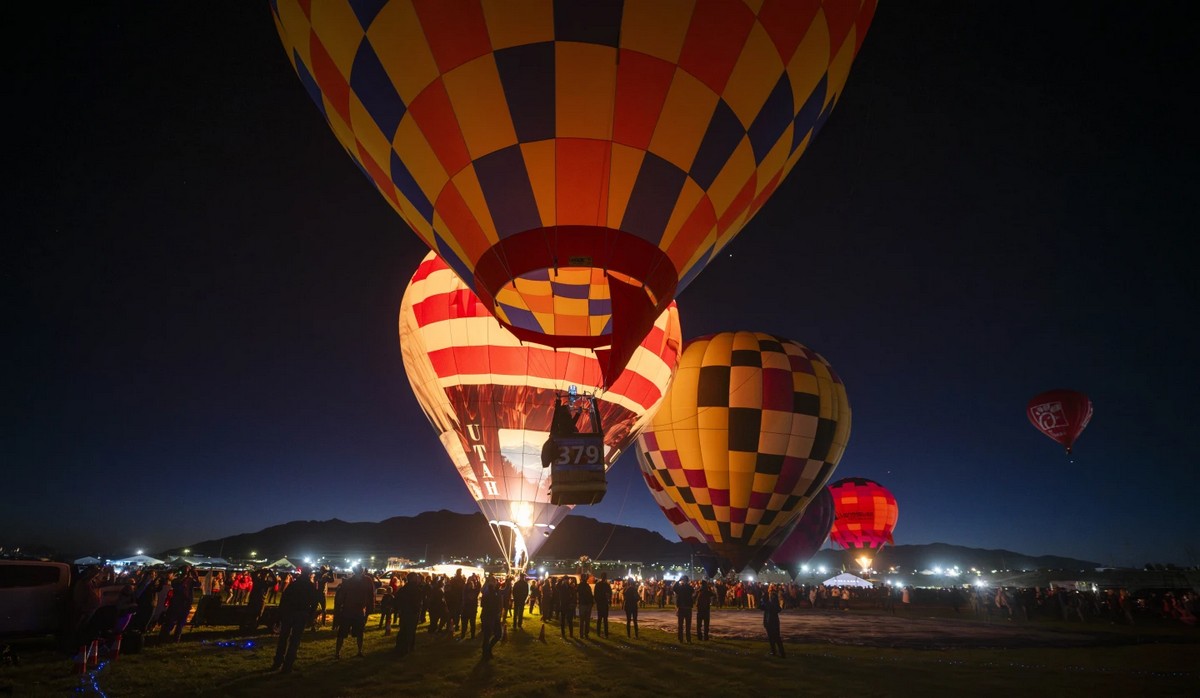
(137, 560)
(88, 561)
(846, 579)
(282, 564)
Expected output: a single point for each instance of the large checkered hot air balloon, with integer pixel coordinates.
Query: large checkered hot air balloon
(865, 514)
(750, 431)
(491, 398)
(576, 163)
(1061, 415)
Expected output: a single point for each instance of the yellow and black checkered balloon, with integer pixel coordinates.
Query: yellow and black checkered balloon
(750, 431)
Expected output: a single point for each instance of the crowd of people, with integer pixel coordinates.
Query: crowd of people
(161, 603)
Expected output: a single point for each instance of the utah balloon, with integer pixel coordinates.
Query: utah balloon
(491, 398)
(1060, 414)
(576, 163)
(865, 514)
(751, 429)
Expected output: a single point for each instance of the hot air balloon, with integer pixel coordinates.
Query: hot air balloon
(576, 163)
(808, 536)
(749, 433)
(687, 531)
(491, 398)
(865, 515)
(1060, 414)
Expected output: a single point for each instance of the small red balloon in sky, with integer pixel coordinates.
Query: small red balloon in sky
(865, 514)
(1060, 414)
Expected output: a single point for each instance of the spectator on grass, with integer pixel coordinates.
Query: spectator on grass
(321, 580)
(631, 596)
(535, 596)
(770, 609)
(490, 608)
(435, 603)
(183, 590)
(356, 600)
(504, 587)
(297, 607)
(520, 592)
(454, 599)
(684, 596)
(567, 595)
(603, 594)
(469, 606)
(587, 599)
(704, 598)
(408, 606)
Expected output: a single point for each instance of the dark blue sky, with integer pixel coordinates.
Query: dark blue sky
(203, 288)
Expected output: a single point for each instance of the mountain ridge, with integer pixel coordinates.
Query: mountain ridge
(445, 535)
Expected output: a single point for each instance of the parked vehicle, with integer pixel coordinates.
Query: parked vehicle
(34, 597)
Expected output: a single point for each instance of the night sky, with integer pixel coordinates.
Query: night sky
(202, 288)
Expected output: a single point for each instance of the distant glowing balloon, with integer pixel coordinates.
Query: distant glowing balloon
(490, 397)
(865, 514)
(750, 431)
(577, 163)
(1060, 414)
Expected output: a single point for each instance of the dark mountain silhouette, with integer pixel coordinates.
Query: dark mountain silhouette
(445, 535)
(441, 535)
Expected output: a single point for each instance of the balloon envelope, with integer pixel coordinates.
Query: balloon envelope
(865, 514)
(686, 530)
(490, 397)
(809, 535)
(1060, 414)
(577, 163)
(750, 431)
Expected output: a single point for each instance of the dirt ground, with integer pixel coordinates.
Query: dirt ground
(878, 630)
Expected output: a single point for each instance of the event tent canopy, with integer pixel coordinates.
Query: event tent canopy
(138, 560)
(846, 579)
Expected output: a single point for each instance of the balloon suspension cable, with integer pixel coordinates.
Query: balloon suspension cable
(614, 526)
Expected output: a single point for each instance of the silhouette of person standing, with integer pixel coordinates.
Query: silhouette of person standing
(603, 594)
(297, 607)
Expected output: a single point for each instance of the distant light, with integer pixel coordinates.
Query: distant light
(937, 570)
(803, 568)
(980, 583)
(821, 570)
(186, 551)
(139, 552)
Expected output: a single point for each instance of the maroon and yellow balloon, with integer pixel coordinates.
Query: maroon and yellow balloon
(865, 514)
(490, 397)
(1061, 415)
(576, 163)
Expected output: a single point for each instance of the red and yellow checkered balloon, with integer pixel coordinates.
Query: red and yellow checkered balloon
(750, 431)
(576, 163)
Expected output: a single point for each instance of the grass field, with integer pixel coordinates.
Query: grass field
(220, 661)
